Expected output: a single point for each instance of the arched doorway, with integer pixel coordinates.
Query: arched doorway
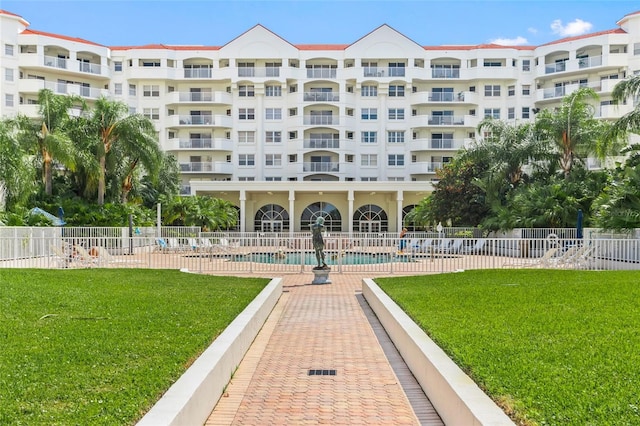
(411, 226)
(271, 218)
(370, 218)
(329, 212)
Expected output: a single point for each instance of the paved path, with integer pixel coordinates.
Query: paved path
(325, 328)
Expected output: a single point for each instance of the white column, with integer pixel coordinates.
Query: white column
(399, 198)
(350, 218)
(292, 211)
(243, 210)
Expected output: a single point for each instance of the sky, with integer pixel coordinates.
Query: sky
(216, 22)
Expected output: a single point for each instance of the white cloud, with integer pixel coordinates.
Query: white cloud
(532, 30)
(575, 28)
(518, 41)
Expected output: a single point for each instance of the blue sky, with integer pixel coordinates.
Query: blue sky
(216, 22)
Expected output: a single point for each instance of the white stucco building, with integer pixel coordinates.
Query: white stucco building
(353, 132)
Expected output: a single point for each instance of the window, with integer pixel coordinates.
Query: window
(526, 89)
(492, 90)
(273, 160)
(396, 113)
(246, 91)
(369, 113)
(293, 158)
(396, 69)
(246, 160)
(293, 135)
(396, 91)
(273, 178)
(246, 69)
(273, 137)
(132, 90)
(511, 113)
(525, 112)
(8, 74)
(395, 137)
(246, 114)
(492, 113)
(526, 65)
(293, 88)
(8, 100)
(273, 91)
(369, 137)
(150, 62)
(117, 88)
(246, 179)
(369, 91)
(293, 112)
(8, 49)
(273, 114)
(246, 137)
(511, 91)
(395, 160)
(492, 63)
(369, 160)
(117, 66)
(151, 91)
(151, 113)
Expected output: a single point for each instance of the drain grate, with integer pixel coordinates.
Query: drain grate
(322, 372)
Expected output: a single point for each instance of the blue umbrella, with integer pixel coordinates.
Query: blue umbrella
(579, 233)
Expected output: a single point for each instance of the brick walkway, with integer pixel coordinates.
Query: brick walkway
(322, 327)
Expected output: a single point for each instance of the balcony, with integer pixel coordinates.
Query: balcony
(425, 167)
(219, 167)
(258, 71)
(561, 91)
(34, 86)
(436, 144)
(315, 167)
(321, 120)
(197, 72)
(322, 73)
(209, 144)
(200, 120)
(321, 97)
(446, 120)
(218, 97)
(445, 73)
(322, 143)
(90, 68)
(443, 97)
(580, 64)
(55, 62)
(185, 189)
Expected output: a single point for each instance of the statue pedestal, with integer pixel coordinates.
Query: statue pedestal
(321, 276)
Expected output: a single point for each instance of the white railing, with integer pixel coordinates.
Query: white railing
(417, 253)
(322, 143)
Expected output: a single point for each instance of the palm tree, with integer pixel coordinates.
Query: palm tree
(573, 130)
(630, 122)
(16, 174)
(113, 126)
(52, 142)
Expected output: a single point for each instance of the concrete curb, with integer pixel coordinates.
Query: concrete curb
(456, 398)
(190, 400)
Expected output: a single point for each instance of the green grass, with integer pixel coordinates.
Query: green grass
(99, 347)
(551, 347)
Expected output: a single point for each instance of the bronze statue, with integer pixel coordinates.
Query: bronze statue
(318, 242)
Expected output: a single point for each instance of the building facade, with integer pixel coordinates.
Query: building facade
(354, 133)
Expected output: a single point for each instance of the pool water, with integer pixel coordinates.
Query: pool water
(348, 258)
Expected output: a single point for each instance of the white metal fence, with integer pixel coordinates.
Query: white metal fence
(261, 253)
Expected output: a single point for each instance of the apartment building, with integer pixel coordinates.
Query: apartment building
(287, 132)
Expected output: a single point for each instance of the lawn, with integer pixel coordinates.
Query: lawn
(551, 347)
(99, 347)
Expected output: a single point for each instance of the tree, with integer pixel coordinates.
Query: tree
(630, 122)
(48, 133)
(16, 174)
(573, 131)
(203, 211)
(113, 126)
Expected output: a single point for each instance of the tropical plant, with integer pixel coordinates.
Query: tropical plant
(208, 213)
(16, 174)
(46, 135)
(113, 126)
(630, 122)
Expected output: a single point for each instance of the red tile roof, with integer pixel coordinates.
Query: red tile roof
(63, 37)
(164, 47)
(6, 12)
(564, 40)
(478, 46)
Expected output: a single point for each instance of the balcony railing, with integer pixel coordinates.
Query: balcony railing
(321, 73)
(90, 68)
(258, 71)
(322, 144)
(446, 143)
(556, 67)
(197, 73)
(196, 119)
(321, 120)
(196, 143)
(321, 96)
(195, 97)
(446, 120)
(53, 61)
(314, 167)
(446, 97)
(445, 73)
(592, 61)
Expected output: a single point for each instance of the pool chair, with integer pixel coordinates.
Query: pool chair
(161, 244)
(542, 262)
(443, 246)
(453, 247)
(106, 258)
(478, 247)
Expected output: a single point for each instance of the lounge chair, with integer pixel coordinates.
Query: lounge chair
(84, 257)
(454, 247)
(541, 262)
(105, 258)
(476, 248)
(443, 245)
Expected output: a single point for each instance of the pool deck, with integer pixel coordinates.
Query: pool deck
(323, 327)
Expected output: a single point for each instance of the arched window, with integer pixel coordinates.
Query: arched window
(411, 226)
(330, 214)
(370, 218)
(271, 218)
